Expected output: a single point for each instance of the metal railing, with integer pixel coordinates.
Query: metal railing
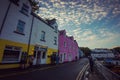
(108, 74)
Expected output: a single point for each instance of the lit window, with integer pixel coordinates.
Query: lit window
(20, 26)
(42, 36)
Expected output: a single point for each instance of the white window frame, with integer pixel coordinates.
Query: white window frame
(55, 40)
(42, 36)
(25, 9)
(13, 49)
(21, 24)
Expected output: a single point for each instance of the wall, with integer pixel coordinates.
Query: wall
(38, 26)
(8, 36)
(71, 48)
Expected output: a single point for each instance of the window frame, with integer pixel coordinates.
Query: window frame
(56, 29)
(43, 36)
(19, 49)
(25, 9)
(20, 27)
(65, 44)
(55, 40)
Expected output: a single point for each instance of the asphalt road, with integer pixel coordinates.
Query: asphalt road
(67, 71)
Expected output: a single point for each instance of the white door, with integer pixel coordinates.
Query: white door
(43, 57)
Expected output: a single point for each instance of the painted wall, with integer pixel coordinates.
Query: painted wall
(38, 27)
(3, 5)
(10, 25)
(68, 47)
(8, 36)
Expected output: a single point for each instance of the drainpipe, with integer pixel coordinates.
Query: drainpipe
(29, 41)
(5, 17)
(30, 35)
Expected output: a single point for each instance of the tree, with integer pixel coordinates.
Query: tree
(86, 51)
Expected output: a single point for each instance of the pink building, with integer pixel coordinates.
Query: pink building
(68, 47)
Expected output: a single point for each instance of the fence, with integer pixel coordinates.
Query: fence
(108, 75)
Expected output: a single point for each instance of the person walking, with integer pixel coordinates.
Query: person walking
(91, 63)
(57, 59)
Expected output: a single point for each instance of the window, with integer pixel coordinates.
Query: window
(20, 27)
(11, 54)
(64, 56)
(64, 44)
(25, 9)
(42, 36)
(56, 29)
(55, 40)
(43, 55)
(15, 2)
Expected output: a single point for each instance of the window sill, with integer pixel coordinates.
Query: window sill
(42, 40)
(24, 13)
(19, 33)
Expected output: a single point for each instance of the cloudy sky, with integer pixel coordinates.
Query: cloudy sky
(93, 23)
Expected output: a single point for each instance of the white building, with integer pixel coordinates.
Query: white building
(23, 33)
(45, 39)
(15, 24)
(102, 53)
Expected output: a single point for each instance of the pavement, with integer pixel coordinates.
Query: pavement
(16, 70)
(95, 75)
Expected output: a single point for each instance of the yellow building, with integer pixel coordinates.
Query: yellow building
(24, 34)
(15, 27)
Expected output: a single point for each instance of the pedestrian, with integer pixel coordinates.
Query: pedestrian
(57, 59)
(91, 63)
(52, 59)
(23, 60)
(31, 58)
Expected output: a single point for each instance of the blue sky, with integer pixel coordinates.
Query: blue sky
(93, 23)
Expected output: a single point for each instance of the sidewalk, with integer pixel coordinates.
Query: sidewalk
(16, 70)
(95, 75)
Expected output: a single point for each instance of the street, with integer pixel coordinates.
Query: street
(67, 71)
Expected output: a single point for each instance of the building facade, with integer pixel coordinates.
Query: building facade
(81, 54)
(68, 47)
(44, 39)
(102, 53)
(15, 25)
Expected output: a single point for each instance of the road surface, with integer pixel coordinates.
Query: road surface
(66, 71)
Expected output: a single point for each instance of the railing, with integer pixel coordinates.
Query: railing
(108, 75)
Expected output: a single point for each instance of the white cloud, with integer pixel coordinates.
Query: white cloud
(73, 14)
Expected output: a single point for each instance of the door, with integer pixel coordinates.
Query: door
(38, 57)
(43, 57)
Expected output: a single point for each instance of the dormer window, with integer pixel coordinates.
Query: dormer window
(55, 29)
(25, 9)
(15, 2)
